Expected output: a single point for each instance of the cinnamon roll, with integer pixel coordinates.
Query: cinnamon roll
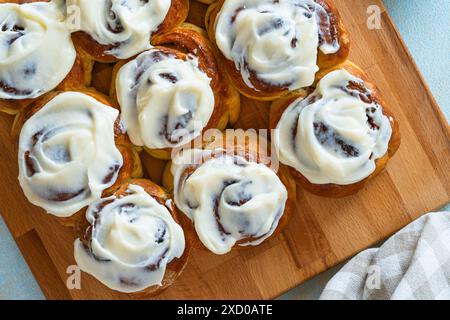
(170, 95)
(119, 29)
(36, 54)
(232, 197)
(271, 48)
(132, 241)
(71, 151)
(339, 136)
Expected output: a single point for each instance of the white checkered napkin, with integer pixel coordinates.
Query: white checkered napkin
(412, 264)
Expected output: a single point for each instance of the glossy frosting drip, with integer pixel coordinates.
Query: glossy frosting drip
(229, 199)
(67, 153)
(125, 25)
(336, 134)
(131, 240)
(165, 101)
(275, 41)
(32, 38)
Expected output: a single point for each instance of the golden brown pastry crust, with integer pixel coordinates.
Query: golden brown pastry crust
(102, 77)
(262, 90)
(177, 14)
(131, 167)
(325, 61)
(238, 143)
(206, 1)
(334, 190)
(182, 41)
(174, 268)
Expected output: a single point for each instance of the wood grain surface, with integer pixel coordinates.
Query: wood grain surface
(324, 231)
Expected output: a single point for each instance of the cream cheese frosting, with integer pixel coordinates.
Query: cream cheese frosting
(36, 51)
(67, 153)
(127, 25)
(275, 40)
(228, 198)
(133, 238)
(336, 134)
(165, 101)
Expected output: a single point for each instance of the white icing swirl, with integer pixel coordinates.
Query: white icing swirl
(67, 153)
(125, 24)
(336, 134)
(275, 40)
(36, 51)
(228, 198)
(133, 238)
(165, 101)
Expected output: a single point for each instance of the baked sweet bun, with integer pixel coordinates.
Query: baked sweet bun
(339, 136)
(271, 48)
(120, 29)
(232, 193)
(72, 151)
(170, 94)
(132, 241)
(36, 54)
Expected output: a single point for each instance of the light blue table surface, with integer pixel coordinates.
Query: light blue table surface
(425, 27)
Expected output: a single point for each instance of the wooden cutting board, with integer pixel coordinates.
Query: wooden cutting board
(324, 231)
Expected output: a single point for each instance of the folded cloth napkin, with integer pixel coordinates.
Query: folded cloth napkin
(414, 264)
